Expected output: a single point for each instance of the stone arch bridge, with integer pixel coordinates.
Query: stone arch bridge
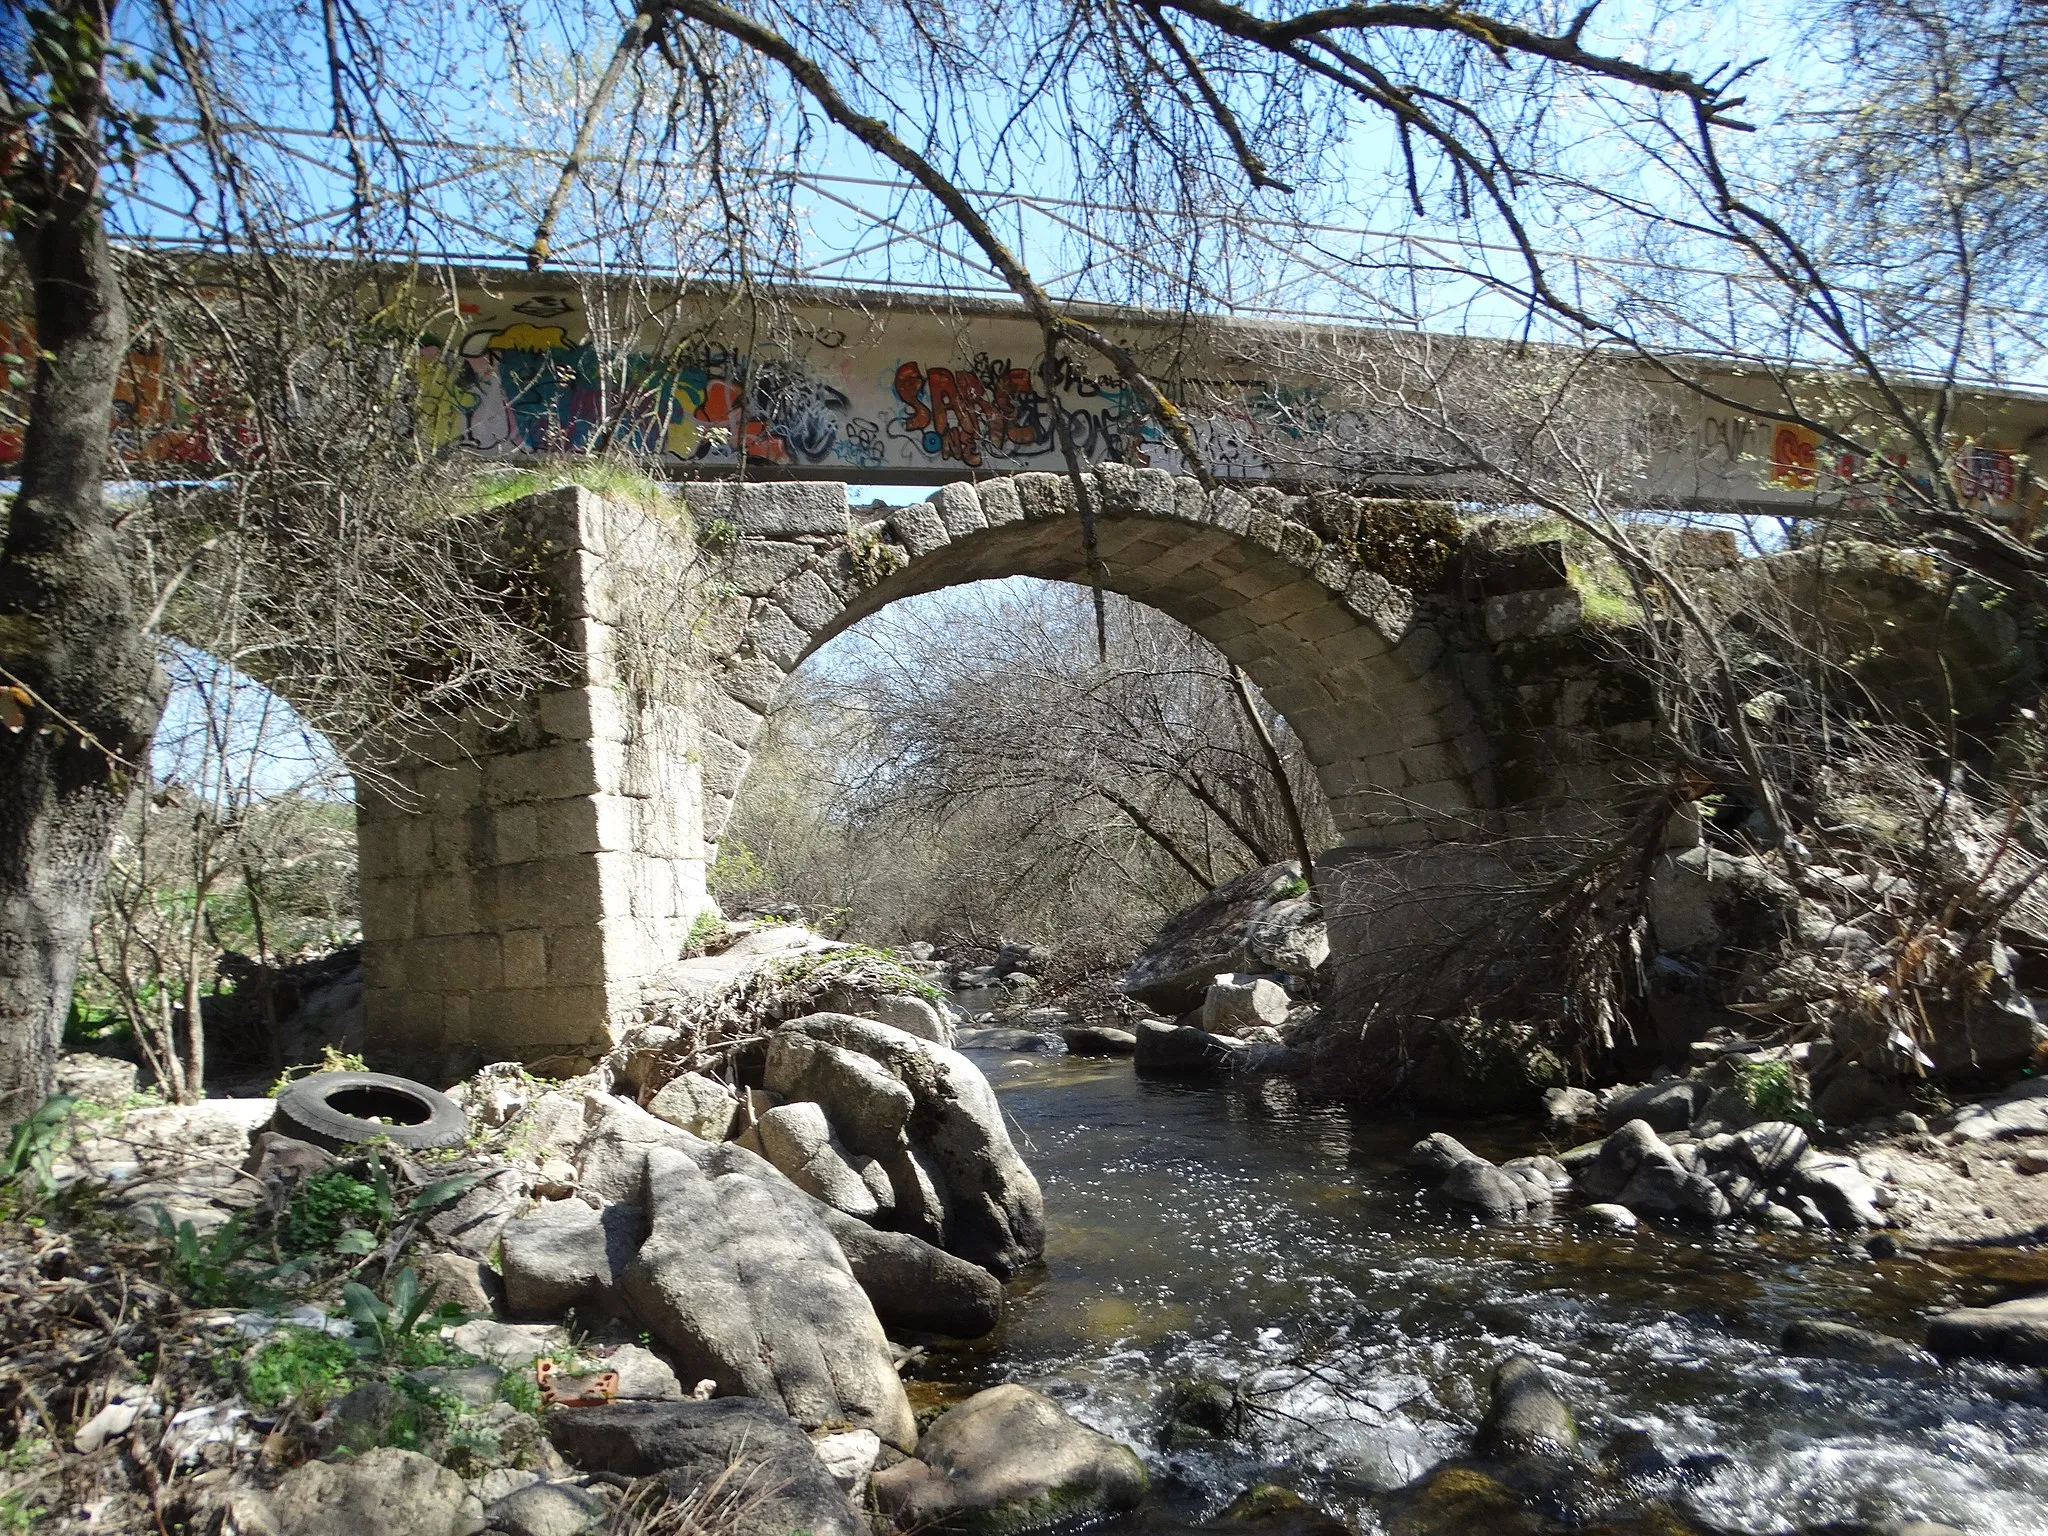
(520, 885)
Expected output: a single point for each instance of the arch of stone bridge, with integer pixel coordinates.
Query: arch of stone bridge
(1337, 649)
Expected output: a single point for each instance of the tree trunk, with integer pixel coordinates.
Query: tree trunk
(83, 672)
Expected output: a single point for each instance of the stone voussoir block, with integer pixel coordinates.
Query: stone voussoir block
(959, 508)
(809, 601)
(999, 502)
(775, 635)
(757, 567)
(751, 678)
(1044, 496)
(734, 719)
(920, 528)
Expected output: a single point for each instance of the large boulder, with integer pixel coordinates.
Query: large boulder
(1525, 1416)
(1099, 1040)
(1636, 1169)
(2021, 1110)
(1718, 910)
(1216, 934)
(698, 1104)
(798, 1140)
(616, 1137)
(562, 1253)
(1183, 1048)
(1289, 936)
(384, 1492)
(914, 1016)
(1667, 1106)
(1008, 1461)
(1494, 1194)
(745, 1287)
(777, 1483)
(994, 1213)
(1236, 1002)
(867, 1105)
(2015, 1332)
(914, 1285)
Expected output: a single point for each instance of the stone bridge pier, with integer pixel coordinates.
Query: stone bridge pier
(524, 878)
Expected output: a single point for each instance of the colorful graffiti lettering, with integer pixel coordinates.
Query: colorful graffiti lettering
(1795, 458)
(1987, 473)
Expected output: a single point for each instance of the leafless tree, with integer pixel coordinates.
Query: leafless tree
(1061, 790)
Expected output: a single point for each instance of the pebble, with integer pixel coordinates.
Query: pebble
(1616, 1218)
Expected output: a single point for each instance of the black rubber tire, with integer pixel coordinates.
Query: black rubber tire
(318, 1109)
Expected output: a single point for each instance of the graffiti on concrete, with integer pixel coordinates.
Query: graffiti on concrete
(848, 394)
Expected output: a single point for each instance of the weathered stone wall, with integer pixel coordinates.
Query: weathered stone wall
(526, 875)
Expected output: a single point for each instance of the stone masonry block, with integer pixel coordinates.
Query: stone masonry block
(1153, 493)
(920, 528)
(1333, 570)
(555, 1020)
(665, 829)
(959, 507)
(779, 638)
(999, 502)
(1227, 624)
(584, 714)
(557, 772)
(1257, 581)
(773, 509)
(387, 907)
(1445, 795)
(1359, 646)
(538, 892)
(1534, 615)
(1428, 764)
(1229, 511)
(1314, 625)
(576, 955)
(727, 716)
(447, 904)
(515, 834)
(1388, 608)
(1190, 501)
(725, 764)
(1299, 545)
(1044, 496)
(757, 567)
(1283, 603)
(523, 958)
(1115, 489)
(563, 827)
(1266, 530)
(753, 680)
(464, 962)
(808, 601)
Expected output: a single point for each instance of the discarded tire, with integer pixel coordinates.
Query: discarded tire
(338, 1110)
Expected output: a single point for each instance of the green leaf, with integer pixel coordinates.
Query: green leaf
(406, 1300)
(356, 1241)
(380, 1181)
(227, 1242)
(363, 1307)
(441, 1191)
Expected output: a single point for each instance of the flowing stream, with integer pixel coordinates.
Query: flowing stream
(1245, 1233)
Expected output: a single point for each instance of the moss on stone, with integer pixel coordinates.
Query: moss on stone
(1410, 543)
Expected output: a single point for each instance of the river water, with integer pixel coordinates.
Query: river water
(1243, 1233)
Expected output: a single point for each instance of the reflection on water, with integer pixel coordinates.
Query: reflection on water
(1243, 1233)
